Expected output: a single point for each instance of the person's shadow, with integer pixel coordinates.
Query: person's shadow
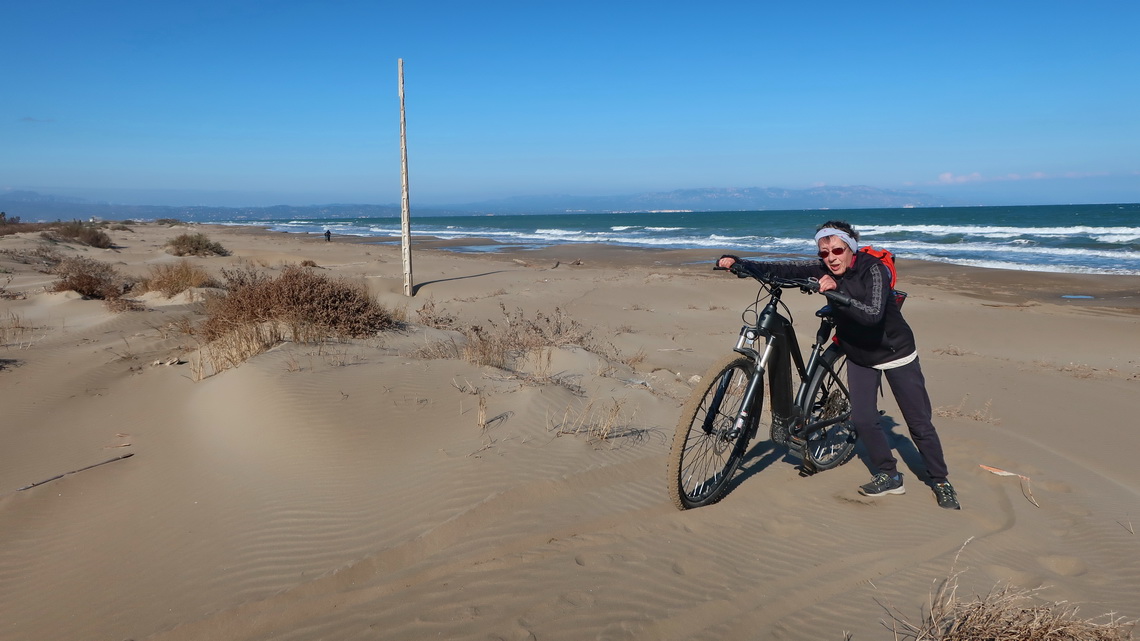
(902, 447)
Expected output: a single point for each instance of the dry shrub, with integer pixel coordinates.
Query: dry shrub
(195, 245)
(79, 232)
(304, 305)
(173, 279)
(89, 278)
(432, 317)
(260, 312)
(1007, 614)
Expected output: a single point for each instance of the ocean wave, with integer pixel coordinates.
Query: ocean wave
(995, 231)
(1036, 267)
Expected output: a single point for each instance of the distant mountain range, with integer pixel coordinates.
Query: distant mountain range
(30, 205)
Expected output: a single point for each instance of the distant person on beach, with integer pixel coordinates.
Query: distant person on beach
(328, 236)
(877, 340)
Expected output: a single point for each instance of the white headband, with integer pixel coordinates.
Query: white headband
(839, 233)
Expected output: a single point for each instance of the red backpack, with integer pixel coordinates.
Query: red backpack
(888, 259)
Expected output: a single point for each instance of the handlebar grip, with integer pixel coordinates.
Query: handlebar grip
(837, 297)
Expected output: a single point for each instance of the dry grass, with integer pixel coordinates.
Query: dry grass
(195, 245)
(953, 350)
(1006, 614)
(983, 415)
(12, 330)
(636, 359)
(173, 279)
(5, 294)
(502, 343)
(43, 257)
(599, 422)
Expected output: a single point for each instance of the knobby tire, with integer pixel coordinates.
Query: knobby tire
(705, 453)
(834, 445)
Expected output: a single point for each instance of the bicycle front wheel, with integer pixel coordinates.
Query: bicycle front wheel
(708, 446)
(829, 402)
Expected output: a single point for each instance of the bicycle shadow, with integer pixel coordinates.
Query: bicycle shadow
(758, 458)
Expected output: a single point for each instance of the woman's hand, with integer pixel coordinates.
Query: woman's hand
(726, 262)
(827, 283)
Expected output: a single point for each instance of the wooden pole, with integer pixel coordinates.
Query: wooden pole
(405, 210)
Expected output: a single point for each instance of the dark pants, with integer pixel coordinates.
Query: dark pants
(909, 389)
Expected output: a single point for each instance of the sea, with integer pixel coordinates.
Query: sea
(1088, 239)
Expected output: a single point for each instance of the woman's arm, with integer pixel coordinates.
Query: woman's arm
(869, 295)
(779, 269)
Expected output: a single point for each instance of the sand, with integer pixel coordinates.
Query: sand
(349, 491)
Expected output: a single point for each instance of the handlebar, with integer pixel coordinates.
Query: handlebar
(806, 285)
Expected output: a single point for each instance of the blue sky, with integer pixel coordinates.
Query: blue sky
(295, 102)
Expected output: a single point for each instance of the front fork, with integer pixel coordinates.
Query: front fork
(755, 385)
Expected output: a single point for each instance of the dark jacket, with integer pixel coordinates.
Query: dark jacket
(871, 330)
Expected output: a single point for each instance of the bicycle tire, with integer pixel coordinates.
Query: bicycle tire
(706, 452)
(834, 445)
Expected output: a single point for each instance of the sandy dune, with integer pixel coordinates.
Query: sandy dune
(347, 491)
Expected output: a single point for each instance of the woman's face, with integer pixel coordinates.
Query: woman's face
(837, 263)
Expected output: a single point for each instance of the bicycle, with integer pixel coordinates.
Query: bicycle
(722, 416)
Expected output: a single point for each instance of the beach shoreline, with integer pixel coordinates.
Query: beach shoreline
(360, 489)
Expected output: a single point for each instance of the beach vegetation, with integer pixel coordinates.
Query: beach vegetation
(195, 245)
(1006, 613)
(77, 231)
(93, 279)
(175, 278)
(12, 329)
(500, 343)
(599, 422)
(168, 222)
(258, 312)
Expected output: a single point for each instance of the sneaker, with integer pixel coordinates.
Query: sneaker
(883, 483)
(947, 497)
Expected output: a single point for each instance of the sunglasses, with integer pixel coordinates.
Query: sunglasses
(838, 251)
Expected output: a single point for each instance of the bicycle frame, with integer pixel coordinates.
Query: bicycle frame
(779, 338)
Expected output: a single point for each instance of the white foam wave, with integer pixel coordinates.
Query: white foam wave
(996, 231)
(1035, 267)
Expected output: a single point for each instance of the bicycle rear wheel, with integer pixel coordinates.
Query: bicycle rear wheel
(833, 445)
(707, 447)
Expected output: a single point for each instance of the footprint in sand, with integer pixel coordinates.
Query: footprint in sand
(1064, 565)
(784, 525)
(1014, 577)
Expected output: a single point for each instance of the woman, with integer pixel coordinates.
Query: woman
(876, 339)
